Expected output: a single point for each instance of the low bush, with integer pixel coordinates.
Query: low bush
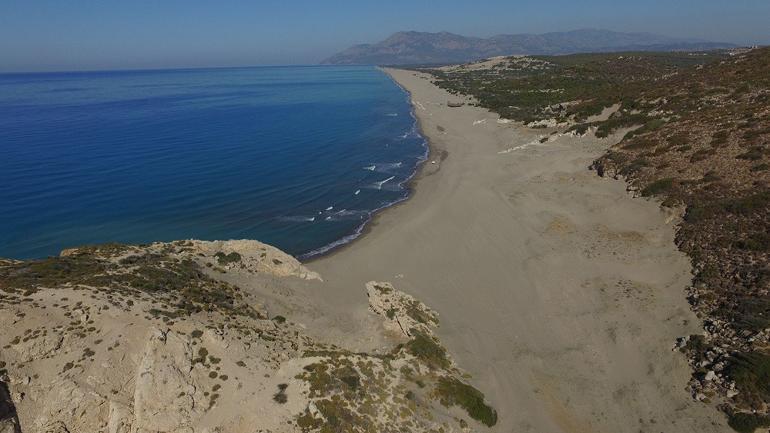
(452, 392)
(747, 422)
(428, 350)
(751, 374)
(224, 259)
(658, 187)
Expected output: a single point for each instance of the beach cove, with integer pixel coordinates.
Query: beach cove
(560, 293)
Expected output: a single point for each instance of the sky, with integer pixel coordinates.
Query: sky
(64, 35)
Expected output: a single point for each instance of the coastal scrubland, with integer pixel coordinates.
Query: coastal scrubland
(696, 137)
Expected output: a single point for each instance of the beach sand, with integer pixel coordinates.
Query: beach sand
(560, 293)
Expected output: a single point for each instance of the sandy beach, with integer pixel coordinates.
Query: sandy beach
(560, 293)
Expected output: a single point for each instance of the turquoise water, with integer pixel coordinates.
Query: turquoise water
(298, 157)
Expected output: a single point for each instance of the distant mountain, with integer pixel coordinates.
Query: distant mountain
(412, 48)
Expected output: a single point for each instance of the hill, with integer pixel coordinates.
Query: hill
(415, 48)
(206, 336)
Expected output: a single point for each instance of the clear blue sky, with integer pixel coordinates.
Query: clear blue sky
(37, 35)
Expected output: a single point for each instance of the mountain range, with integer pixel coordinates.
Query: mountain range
(413, 48)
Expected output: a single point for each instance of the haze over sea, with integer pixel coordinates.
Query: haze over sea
(297, 157)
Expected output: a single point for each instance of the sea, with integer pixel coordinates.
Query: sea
(298, 157)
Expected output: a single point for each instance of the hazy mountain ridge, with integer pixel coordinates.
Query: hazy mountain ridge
(413, 47)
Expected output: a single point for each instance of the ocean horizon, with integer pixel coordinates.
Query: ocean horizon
(299, 157)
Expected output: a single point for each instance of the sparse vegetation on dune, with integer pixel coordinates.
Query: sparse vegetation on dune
(451, 392)
(704, 160)
(572, 87)
(700, 141)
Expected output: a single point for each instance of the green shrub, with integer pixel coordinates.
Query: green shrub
(747, 422)
(747, 205)
(428, 350)
(755, 242)
(754, 154)
(751, 373)
(657, 187)
(224, 259)
(580, 128)
(452, 392)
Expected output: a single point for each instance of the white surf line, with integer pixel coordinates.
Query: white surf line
(379, 184)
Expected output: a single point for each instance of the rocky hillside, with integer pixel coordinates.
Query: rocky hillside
(698, 139)
(196, 336)
(420, 48)
(706, 147)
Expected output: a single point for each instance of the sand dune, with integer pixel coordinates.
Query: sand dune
(557, 290)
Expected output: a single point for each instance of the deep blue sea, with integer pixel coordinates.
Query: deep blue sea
(298, 157)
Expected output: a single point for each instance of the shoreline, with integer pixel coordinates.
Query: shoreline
(557, 291)
(410, 185)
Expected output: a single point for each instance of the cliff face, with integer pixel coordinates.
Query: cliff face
(186, 337)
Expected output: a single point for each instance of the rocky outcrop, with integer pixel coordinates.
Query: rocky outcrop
(162, 338)
(403, 314)
(9, 422)
(347, 390)
(248, 255)
(164, 393)
(253, 256)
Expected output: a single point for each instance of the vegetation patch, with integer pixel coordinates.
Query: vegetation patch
(747, 422)
(452, 392)
(751, 373)
(658, 187)
(428, 350)
(179, 287)
(280, 397)
(702, 140)
(226, 259)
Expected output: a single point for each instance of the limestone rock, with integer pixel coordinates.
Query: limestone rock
(256, 257)
(37, 348)
(403, 313)
(120, 418)
(56, 427)
(66, 406)
(163, 397)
